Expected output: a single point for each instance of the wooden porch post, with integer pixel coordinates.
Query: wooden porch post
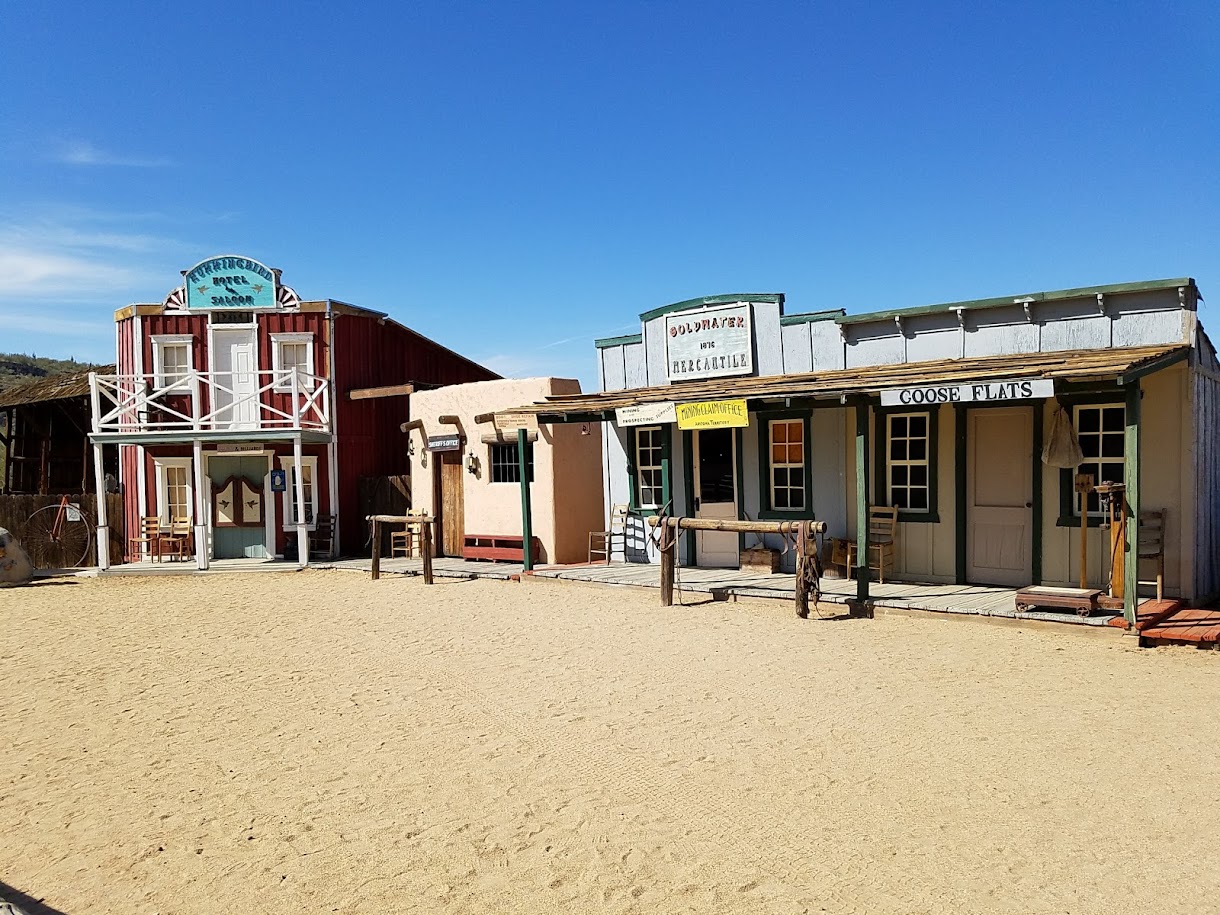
(527, 527)
(201, 507)
(859, 608)
(1131, 478)
(103, 525)
(299, 498)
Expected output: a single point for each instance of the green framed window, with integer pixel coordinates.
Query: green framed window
(1100, 423)
(648, 468)
(785, 466)
(906, 457)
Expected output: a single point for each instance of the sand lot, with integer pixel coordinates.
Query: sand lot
(318, 742)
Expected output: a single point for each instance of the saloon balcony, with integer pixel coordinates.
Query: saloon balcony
(210, 406)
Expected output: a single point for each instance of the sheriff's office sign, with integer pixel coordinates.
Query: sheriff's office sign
(444, 443)
(709, 342)
(645, 414)
(974, 392)
(713, 414)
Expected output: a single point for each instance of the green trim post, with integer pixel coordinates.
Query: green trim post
(688, 490)
(960, 457)
(1131, 478)
(1035, 555)
(861, 503)
(527, 526)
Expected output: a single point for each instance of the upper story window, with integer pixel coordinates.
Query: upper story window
(172, 359)
(289, 353)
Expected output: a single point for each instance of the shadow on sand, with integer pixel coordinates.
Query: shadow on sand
(21, 904)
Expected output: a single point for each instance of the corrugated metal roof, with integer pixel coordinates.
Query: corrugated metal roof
(1082, 365)
(55, 387)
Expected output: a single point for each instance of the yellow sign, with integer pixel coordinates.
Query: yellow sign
(713, 414)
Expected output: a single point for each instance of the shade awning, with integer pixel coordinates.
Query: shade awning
(1120, 364)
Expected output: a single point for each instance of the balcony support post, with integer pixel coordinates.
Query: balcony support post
(201, 507)
(99, 482)
(298, 496)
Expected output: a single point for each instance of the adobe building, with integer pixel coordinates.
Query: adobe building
(466, 471)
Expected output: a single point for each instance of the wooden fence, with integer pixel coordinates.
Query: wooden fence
(383, 496)
(15, 511)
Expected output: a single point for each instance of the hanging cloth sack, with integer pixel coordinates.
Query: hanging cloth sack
(1063, 447)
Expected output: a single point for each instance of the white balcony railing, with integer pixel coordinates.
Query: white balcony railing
(210, 402)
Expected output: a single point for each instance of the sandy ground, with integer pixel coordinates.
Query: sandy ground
(318, 742)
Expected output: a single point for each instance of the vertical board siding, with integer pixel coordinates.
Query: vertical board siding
(1206, 390)
(367, 353)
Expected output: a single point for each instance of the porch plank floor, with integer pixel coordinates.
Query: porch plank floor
(975, 600)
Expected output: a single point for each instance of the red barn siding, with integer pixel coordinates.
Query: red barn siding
(371, 353)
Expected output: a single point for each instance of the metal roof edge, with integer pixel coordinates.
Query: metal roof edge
(726, 299)
(1000, 301)
(605, 342)
(830, 314)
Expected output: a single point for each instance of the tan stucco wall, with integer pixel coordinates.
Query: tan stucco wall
(566, 495)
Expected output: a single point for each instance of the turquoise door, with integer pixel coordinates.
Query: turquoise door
(239, 506)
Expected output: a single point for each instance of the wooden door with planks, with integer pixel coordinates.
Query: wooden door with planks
(452, 503)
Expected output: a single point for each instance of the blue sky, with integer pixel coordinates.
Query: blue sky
(515, 180)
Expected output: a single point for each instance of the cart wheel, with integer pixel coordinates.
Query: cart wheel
(1084, 611)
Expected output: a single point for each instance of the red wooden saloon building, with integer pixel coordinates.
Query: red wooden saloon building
(245, 417)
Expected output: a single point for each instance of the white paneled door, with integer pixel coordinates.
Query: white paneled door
(235, 378)
(999, 496)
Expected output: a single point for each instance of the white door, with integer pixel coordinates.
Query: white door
(715, 461)
(235, 378)
(999, 496)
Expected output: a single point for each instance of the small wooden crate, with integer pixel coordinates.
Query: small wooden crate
(760, 559)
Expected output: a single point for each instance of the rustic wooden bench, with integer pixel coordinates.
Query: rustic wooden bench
(1082, 600)
(498, 547)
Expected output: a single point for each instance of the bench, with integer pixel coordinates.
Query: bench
(498, 547)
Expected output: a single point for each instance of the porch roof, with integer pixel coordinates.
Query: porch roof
(1121, 364)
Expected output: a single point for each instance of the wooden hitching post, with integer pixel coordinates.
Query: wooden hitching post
(425, 545)
(668, 541)
(376, 549)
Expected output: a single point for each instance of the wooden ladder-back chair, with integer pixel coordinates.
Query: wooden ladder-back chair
(406, 541)
(882, 532)
(176, 541)
(1152, 546)
(322, 537)
(601, 543)
(149, 541)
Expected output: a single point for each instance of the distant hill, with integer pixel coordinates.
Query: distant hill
(17, 368)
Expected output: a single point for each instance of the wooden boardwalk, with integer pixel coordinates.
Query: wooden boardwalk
(1177, 624)
(726, 584)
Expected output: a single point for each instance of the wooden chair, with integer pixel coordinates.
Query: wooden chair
(404, 542)
(882, 532)
(176, 541)
(1152, 546)
(601, 543)
(149, 541)
(322, 537)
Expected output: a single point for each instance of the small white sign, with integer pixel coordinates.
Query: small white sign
(972, 392)
(645, 414)
(232, 448)
(709, 342)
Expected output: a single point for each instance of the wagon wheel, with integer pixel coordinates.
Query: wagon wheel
(62, 546)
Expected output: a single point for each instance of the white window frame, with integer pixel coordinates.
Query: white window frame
(909, 462)
(290, 491)
(785, 465)
(657, 435)
(160, 465)
(277, 360)
(159, 341)
(1121, 434)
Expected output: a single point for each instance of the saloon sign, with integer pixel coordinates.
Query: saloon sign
(709, 342)
(981, 391)
(230, 282)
